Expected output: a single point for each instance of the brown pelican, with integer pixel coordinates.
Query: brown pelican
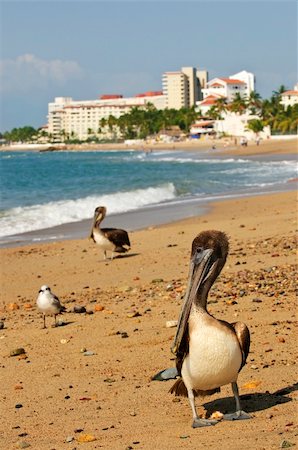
(112, 239)
(48, 303)
(209, 352)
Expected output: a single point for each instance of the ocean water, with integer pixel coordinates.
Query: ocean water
(45, 189)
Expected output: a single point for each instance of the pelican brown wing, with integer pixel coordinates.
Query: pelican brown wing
(242, 333)
(117, 236)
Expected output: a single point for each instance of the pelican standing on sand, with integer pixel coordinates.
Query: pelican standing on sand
(113, 239)
(209, 352)
(48, 303)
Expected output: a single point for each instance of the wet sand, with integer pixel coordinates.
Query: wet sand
(54, 393)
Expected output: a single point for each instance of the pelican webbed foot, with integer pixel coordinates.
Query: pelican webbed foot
(238, 415)
(199, 423)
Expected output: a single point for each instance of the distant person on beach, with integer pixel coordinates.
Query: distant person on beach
(243, 142)
(258, 140)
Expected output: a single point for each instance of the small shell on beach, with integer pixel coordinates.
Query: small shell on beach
(64, 341)
(171, 323)
(252, 384)
(88, 353)
(217, 415)
(99, 308)
(13, 306)
(28, 306)
(86, 438)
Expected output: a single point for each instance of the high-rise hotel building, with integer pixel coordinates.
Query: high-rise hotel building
(182, 89)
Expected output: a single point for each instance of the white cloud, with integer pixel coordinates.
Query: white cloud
(28, 72)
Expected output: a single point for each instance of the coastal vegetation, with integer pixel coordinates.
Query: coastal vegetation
(142, 122)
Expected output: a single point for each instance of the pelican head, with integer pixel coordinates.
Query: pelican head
(208, 256)
(99, 215)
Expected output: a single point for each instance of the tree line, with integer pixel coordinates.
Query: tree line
(142, 122)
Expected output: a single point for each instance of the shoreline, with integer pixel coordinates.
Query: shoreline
(151, 216)
(224, 146)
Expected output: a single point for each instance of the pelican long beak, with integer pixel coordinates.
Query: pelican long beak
(93, 223)
(200, 266)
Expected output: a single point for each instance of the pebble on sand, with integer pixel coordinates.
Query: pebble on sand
(79, 309)
(23, 444)
(17, 351)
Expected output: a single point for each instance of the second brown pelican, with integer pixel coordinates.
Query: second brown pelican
(209, 352)
(113, 239)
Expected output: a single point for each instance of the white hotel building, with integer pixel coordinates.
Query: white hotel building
(81, 119)
(242, 83)
(290, 98)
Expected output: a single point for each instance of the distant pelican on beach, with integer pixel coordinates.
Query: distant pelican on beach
(48, 303)
(113, 239)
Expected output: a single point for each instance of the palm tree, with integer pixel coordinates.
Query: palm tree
(239, 104)
(220, 106)
(254, 102)
(255, 125)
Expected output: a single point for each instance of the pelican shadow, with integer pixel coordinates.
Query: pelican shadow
(257, 401)
(63, 323)
(122, 256)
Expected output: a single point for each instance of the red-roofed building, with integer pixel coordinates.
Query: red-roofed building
(110, 96)
(242, 83)
(290, 98)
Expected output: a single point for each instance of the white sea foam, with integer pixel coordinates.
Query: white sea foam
(36, 217)
(196, 160)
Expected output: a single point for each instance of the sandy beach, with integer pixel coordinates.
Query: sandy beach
(57, 396)
(226, 146)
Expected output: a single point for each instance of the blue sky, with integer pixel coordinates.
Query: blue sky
(84, 49)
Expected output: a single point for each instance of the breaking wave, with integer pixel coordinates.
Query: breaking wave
(36, 217)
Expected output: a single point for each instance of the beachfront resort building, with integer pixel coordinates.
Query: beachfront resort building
(68, 118)
(182, 89)
(230, 123)
(242, 83)
(290, 98)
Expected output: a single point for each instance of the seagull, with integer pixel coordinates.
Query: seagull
(48, 303)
